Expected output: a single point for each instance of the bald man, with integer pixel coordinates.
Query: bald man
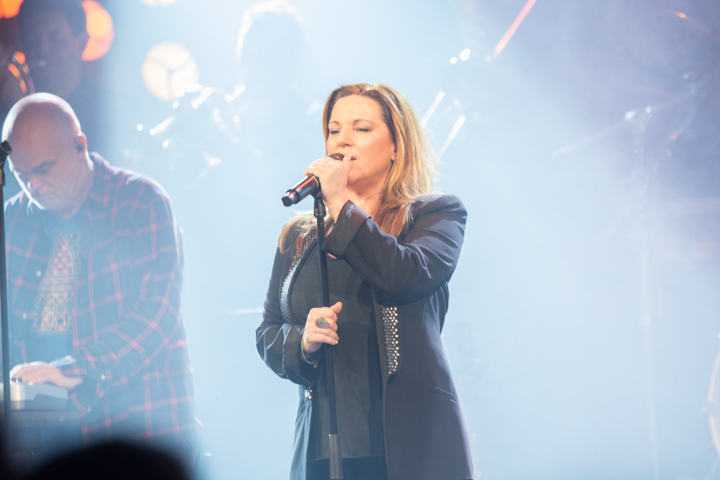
(94, 269)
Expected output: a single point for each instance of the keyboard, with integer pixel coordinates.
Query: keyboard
(36, 396)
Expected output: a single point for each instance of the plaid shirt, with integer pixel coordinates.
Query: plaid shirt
(128, 339)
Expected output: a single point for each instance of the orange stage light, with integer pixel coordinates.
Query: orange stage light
(21, 72)
(99, 28)
(9, 8)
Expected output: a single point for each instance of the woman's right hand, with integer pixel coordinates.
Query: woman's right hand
(332, 175)
(315, 335)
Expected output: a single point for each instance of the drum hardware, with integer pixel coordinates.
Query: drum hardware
(653, 129)
(713, 405)
(16, 65)
(192, 110)
(192, 140)
(650, 126)
(459, 101)
(638, 117)
(21, 72)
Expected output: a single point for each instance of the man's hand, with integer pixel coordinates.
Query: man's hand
(41, 372)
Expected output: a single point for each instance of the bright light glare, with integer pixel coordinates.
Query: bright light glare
(168, 69)
(9, 8)
(511, 31)
(158, 3)
(100, 29)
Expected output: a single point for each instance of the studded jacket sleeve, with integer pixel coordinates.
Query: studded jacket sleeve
(278, 342)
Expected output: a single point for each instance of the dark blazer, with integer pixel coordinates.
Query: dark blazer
(425, 438)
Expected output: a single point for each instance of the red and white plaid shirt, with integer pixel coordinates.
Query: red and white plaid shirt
(128, 340)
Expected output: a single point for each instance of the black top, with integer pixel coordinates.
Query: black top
(358, 382)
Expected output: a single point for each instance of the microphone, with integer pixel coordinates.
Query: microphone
(309, 185)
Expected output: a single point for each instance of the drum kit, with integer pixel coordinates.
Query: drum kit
(673, 138)
(191, 141)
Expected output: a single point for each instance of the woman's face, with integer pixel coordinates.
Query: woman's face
(356, 128)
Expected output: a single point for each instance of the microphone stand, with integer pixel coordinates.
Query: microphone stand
(335, 459)
(7, 437)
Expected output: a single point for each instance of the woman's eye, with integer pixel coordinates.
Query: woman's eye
(363, 129)
(332, 132)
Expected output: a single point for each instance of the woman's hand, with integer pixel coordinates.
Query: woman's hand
(321, 327)
(333, 180)
(41, 372)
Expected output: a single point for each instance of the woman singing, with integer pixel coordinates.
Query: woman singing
(392, 247)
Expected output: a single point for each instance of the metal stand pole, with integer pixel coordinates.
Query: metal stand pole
(645, 191)
(7, 436)
(335, 457)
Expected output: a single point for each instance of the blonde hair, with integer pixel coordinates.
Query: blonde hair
(411, 175)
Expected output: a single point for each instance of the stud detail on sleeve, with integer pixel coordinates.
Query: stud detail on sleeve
(285, 290)
(392, 337)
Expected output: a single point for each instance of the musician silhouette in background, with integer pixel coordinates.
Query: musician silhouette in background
(278, 128)
(94, 271)
(270, 55)
(53, 37)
